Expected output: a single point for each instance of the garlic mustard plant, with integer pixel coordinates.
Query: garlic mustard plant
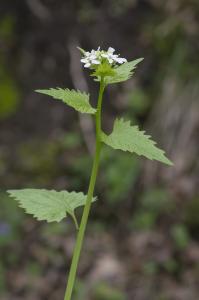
(106, 68)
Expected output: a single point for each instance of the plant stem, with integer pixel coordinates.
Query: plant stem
(84, 220)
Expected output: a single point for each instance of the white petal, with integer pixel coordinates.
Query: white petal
(104, 55)
(111, 50)
(113, 56)
(120, 60)
(110, 60)
(84, 60)
(92, 57)
(87, 65)
(95, 62)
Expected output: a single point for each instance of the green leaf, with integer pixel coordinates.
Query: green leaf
(76, 99)
(129, 138)
(49, 205)
(123, 72)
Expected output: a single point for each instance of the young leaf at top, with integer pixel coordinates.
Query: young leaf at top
(123, 72)
(129, 138)
(49, 205)
(76, 99)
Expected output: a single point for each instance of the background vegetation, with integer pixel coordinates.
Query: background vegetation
(142, 240)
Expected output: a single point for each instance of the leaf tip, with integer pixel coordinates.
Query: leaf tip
(39, 91)
(169, 163)
(81, 50)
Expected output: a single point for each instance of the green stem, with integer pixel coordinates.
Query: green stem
(84, 220)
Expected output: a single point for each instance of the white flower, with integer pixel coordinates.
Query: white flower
(96, 57)
(120, 60)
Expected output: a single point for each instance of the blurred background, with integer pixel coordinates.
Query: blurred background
(142, 239)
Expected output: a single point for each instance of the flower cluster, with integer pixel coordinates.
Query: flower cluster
(97, 57)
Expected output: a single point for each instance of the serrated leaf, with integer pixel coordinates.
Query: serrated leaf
(48, 205)
(123, 72)
(76, 99)
(129, 138)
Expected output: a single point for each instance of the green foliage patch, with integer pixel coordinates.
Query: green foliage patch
(76, 99)
(49, 205)
(123, 72)
(129, 138)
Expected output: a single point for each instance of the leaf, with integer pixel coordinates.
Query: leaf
(123, 72)
(76, 99)
(49, 205)
(81, 50)
(129, 138)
